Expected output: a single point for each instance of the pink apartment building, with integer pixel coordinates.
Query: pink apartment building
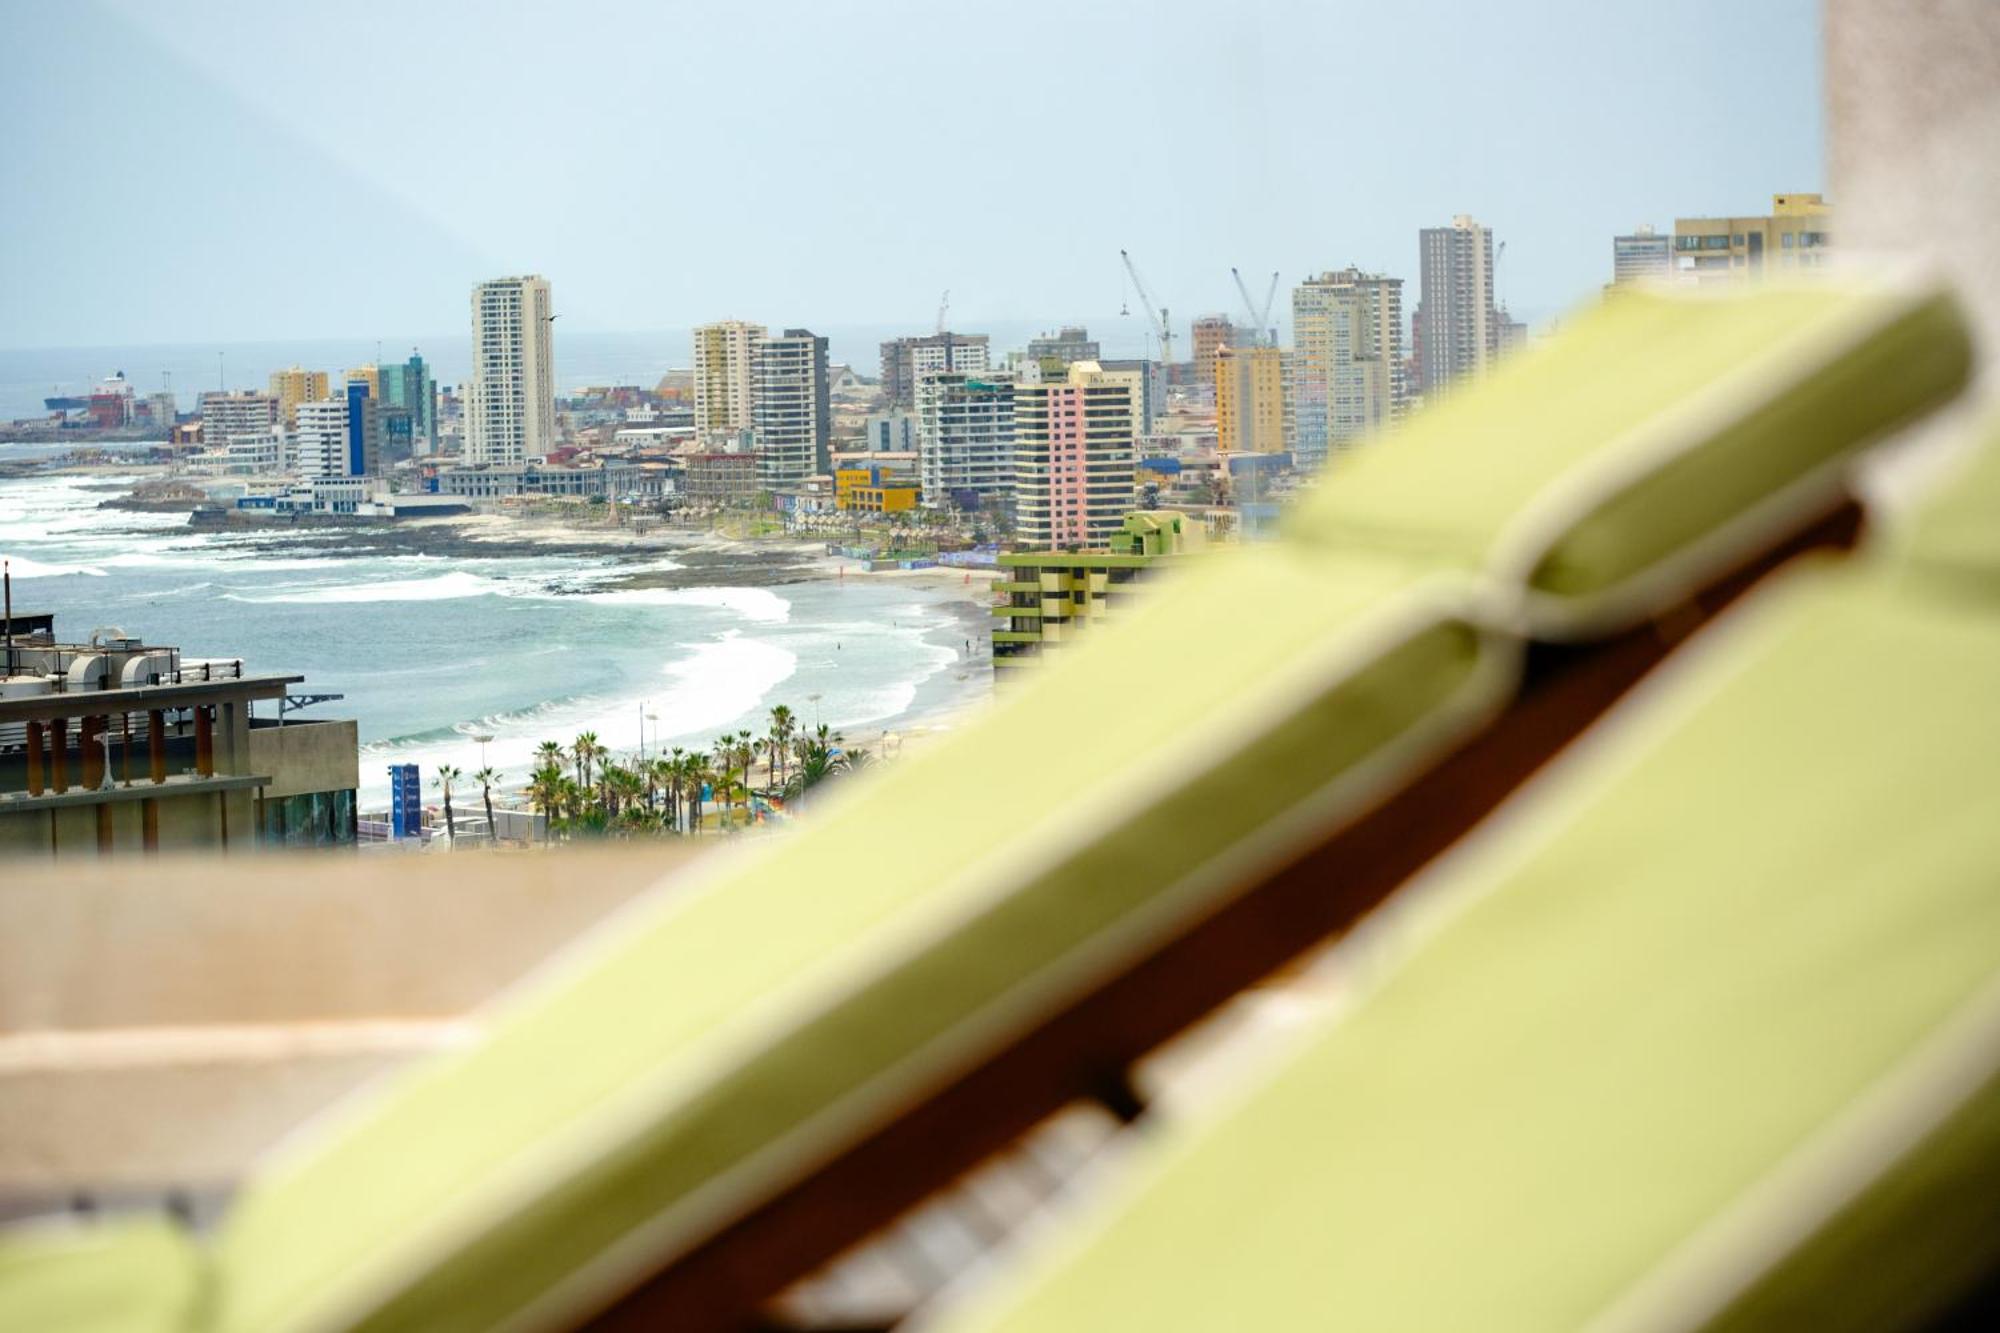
(1075, 451)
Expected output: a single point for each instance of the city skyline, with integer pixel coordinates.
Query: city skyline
(1199, 190)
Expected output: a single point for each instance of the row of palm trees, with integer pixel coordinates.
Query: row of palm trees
(582, 789)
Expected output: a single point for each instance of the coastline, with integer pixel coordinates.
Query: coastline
(707, 559)
(708, 619)
(922, 727)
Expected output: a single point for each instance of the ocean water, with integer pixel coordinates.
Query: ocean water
(430, 651)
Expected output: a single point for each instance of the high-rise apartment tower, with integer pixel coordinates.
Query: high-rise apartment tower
(725, 375)
(510, 406)
(1075, 455)
(790, 409)
(1347, 360)
(1457, 327)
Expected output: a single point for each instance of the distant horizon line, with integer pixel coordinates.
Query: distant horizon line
(1531, 315)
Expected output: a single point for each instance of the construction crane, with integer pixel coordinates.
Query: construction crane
(1260, 316)
(944, 309)
(1158, 314)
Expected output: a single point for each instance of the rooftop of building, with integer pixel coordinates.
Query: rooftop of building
(42, 676)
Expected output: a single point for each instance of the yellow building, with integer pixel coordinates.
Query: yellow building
(295, 386)
(725, 374)
(872, 490)
(1794, 236)
(1047, 597)
(369, 375)
(1250, 414)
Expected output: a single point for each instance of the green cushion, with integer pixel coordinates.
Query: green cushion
(1724, 988)
(1661, 439)
(720, 1040)
(137, 1276)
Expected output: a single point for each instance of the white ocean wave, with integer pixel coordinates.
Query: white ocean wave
(719, 682)
(710, 687)
(245, 559)
(163, 594)
(24, 568)
(443, 588)
(759, 605)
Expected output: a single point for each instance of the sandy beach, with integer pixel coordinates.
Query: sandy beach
(707, 557)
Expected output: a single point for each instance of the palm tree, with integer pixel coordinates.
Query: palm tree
(817, 763)
(783, 725)
(821, 758)
(486, 777)
(621, 789)
(626, 789)
(446, 775)
(545, 791)
(654, 773)
(607, 788)
(729, 791)
(585, 749)
(723, 762)
(548, 752)
(577, 809)
(821, 738)
(695, 774)
(675, 769)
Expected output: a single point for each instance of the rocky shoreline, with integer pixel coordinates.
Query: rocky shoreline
(701, 558)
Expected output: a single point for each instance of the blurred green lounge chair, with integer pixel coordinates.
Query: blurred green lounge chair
(1708, 1037)
(752, 1071)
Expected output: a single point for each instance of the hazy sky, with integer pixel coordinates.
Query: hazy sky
(239, 171)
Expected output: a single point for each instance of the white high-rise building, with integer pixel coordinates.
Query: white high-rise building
(321, 447)
(791, 412)
(1457, 326)
(510, 404)
(725, 375)
(1347, 359)
(965, 437)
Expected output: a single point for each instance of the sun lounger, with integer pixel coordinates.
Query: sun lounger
(739, 1079)
(1708, 1036)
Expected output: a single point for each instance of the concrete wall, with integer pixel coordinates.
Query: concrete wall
(1913, 131)
(186, 820)
(304, 757)
(164, 1022)
(1913, 120)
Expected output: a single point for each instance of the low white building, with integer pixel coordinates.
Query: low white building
(494, 483)
(261, 454)
(319, 495)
